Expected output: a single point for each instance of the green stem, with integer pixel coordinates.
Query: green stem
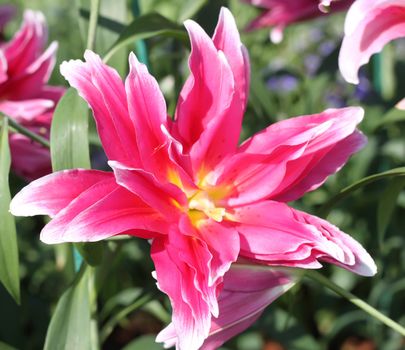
(91, 34)
(112, 322)
(24, 131)
(316, 276)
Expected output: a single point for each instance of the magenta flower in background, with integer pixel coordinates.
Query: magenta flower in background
(214, 210)
(369, 26)
(24, 71)
(278, 14)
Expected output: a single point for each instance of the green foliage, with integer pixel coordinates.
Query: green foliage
(9, 274)
(70, 327)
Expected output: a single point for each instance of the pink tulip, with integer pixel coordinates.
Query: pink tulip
(24, 71)
(278, 14)
(369, 26)
(214, 211)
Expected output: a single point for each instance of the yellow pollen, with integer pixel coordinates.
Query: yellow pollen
(201, 203)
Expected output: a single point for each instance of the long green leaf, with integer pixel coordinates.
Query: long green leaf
(397, 172)
(70, 326)
(9, 274)
(387, 204)
(69, 133)
(104, 22)
(144, 27)
(190, 8)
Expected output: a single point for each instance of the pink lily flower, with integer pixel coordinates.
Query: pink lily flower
(278, 14)
(369, 26)
(214, 210)
(24, 71)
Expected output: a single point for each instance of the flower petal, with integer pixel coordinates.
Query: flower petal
(368, 27)
(289, 157)
(147, 109)
(164, 197)
(191, 314)
(204, 101)
(273, 233)
(200, 259)
(104, 91)
(248, 290)
(104, 210)
(50, 194)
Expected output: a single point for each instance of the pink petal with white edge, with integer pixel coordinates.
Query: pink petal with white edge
(289, 157)
(25, 110)
(191, 314)
(204, 102)
(147, 108)
(103, 89)
(248, 290)
(273, 233)
(369, 27)
(27, 44)
(200, 259)
(226, 38)
(102, 211)
(52, 193)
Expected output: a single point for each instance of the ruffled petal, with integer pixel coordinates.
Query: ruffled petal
(247, 291)
(369, 26)
(204, 102)
(273, 233)
(289, 157)
(104, 91)
(200, 259)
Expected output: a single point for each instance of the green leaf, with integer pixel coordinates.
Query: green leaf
(144, 27)
(190, 8)
(397, 172)
(70, 326)
(69, 133)
(387, 204)
(9, 274)
(144, 342)
(394, 115)
(104, 22)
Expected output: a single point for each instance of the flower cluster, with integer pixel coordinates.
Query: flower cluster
(25, 67)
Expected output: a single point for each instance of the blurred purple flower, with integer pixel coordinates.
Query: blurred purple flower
(283, 83)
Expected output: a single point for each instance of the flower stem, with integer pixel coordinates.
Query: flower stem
(91, 34)
(24, 131)
(316, 276)
(112, 322)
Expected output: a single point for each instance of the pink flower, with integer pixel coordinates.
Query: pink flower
(278, 14)
(369, 26)
(214, 211)
(24, 71)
